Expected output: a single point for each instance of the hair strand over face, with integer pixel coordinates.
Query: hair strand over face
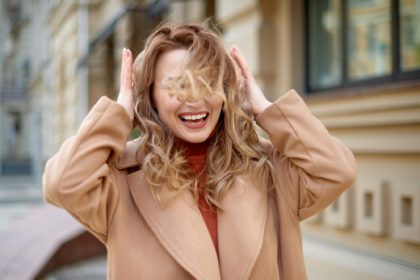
(208, 69)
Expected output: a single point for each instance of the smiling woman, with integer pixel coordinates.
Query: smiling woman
(185, 71)
(191, 121)
(198, 195)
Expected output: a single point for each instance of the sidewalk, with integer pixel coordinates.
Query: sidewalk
(18, 194)
(19, 189)
(92, 269)
(326, 261)
(36, 238)
(47, 238)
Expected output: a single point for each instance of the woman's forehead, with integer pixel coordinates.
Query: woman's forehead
(170, 63)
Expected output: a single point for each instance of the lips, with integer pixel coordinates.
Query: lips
(194, 120)
(193, 117)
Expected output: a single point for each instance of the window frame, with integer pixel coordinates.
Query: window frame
(397, 74)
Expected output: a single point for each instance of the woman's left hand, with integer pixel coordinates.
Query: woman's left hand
(256, 98)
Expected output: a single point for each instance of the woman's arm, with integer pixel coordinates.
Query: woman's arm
(313, 168)
(81, 177)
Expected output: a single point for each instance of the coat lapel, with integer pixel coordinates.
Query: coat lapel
(241, 226)
(182, 231)
(179, 227)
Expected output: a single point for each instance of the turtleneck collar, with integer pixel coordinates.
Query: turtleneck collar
(196, 153)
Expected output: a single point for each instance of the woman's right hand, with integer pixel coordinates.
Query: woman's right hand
(126, 94)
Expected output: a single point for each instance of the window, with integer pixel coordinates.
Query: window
(359, 42)
(368, 199)
(407, 210)
(409, 36)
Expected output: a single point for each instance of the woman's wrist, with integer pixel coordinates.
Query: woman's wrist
(259, 106)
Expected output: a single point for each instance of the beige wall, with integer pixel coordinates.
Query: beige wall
(102, 62)
(380, 124)
(64, 55)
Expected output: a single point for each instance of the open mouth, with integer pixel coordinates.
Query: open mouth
(193, 118)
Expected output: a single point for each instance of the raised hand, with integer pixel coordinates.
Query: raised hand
(256, 98)
(126, 94)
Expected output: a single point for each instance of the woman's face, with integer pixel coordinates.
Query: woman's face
(190, 121)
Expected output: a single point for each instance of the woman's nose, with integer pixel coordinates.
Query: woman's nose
(195, 103)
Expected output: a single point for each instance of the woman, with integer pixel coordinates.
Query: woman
(198, 195)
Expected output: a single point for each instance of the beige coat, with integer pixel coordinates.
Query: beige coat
(258, 230)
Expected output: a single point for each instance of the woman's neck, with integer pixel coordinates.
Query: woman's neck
(194, 149)
(196, 153)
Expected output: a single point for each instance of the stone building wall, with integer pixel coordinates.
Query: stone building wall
(378, 220)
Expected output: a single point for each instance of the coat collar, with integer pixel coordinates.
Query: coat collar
(181, 229)
(241, 226)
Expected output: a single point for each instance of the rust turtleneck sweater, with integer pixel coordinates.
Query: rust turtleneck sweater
(196, 154)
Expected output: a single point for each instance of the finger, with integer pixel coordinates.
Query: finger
(129, 68)
(123, 69)
(243, 65)
(126, 71)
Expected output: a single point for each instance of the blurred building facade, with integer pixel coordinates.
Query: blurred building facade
(16, 62)
(356, 62)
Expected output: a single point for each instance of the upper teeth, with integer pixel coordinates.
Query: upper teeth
(193, 117)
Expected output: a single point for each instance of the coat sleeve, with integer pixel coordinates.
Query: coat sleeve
(81, 177)
(312, 167)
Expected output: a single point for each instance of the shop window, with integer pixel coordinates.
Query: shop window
(359, 42)
(370, 210)
(407, 211)
(368, 204)
(406, 200)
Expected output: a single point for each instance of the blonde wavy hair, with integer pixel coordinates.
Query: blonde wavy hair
(209, 69)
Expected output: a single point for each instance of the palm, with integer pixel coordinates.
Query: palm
(255, 96)
(125, 96)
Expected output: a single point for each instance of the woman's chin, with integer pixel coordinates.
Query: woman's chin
(198, 137)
